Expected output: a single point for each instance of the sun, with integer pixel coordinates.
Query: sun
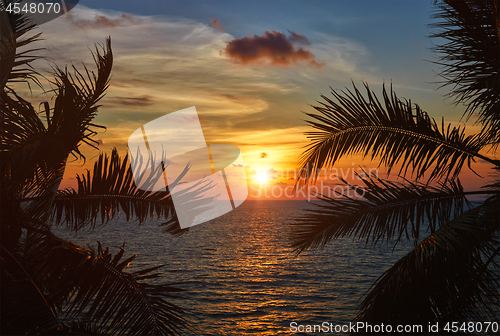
(262, 177)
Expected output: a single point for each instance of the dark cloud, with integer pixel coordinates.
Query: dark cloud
(263, 155)
(216, 24)
(298, 38)
(101, 21)
(273, 48)
(131, 101)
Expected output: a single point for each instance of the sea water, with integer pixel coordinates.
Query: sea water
(240, 274)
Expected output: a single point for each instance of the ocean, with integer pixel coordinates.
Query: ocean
(240, 275)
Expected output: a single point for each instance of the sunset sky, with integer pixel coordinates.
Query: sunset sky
(249, 68)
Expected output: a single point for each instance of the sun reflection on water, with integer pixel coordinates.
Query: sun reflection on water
(241, 276)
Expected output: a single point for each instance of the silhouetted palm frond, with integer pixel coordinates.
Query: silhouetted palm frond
(14, 64)
(450, 276)
(77, 101)
(33, 155)
(453, 274)
(83, 284)
(68, 124)
(470, 57)
(108, 189)
(49, 285)
(398, 134)
(24, 306)
(388, 211)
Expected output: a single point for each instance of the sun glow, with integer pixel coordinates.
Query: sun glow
(262, 177)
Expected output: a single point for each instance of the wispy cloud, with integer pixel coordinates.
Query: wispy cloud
(298, 38)
(131, 101)
(217, 25)
(164, 64)
(98, 21)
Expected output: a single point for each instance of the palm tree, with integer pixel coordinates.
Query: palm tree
(453, 273)
(50, 285)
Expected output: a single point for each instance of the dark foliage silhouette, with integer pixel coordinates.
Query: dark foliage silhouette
(453, 273)
(50, 285)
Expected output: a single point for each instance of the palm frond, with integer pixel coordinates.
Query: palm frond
(33, 155)
(388, 211)
(77, 101)
(70, 121)
(83, 284)
(24, 308)
(68, 124)
(14, 64)
(50, 285)
(452, 275)
(109, 189)
(23, 165)
(399, 134)
(470, 57)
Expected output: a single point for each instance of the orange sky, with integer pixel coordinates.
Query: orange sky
(162, 65)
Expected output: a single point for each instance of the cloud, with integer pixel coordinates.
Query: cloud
(272, 48)
(217, 25)
(101, 21)
(298, 38)
(131, 101)
(164, 64)
(271, 173)
(263, 155)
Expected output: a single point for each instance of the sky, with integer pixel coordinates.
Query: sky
(251, 68)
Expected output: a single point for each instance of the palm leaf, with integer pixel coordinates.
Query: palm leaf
(110, 189)
(77, 98)
(388, 211)
(470, 57)
(33, 155)
(399, 134)
(452, 275)
(24, 307)
(46, 280)
(14, 64)
(83, 284)
(68, 124)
